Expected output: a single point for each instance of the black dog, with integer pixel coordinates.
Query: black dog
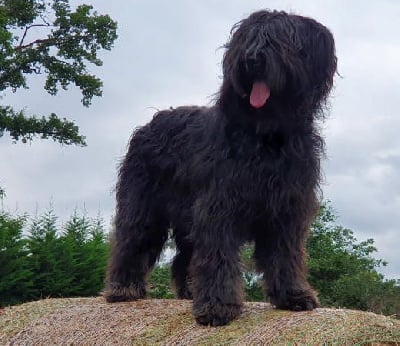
(246, 169)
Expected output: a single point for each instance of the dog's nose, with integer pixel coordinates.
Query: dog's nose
(255, 65)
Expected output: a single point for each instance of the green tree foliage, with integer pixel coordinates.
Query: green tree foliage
(46, 263)
(344, 270)
(15, 275)
(51, 261)
(97, 250)
(85, 253)
(252, 280)
(159, 282)
(47, 37)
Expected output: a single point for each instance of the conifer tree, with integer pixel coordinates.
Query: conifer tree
(15, 275)
(46, 257)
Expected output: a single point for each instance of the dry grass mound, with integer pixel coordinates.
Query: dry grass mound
(91, 321)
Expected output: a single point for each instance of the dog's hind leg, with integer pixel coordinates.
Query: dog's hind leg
(140, 233)
(180, 266)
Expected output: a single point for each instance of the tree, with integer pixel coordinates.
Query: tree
(344, 271)
(84, 252)
(69, 41)
(15, 276)
(49, 261)
(46, 257)
(97, 250)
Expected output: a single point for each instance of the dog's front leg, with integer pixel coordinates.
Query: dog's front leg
(214, 269)
(280, 255)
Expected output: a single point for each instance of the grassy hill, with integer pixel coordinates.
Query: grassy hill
(88, 321)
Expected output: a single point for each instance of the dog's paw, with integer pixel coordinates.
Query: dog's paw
(115, 292)
(216, 314)
(296, 300)
(184, 293)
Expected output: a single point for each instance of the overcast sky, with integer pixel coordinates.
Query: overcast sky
(167, 55)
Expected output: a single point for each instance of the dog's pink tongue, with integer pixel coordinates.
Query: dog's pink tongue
(259, 94)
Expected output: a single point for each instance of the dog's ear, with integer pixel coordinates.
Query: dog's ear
(320, 47)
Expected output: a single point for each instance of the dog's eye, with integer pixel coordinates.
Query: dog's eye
(303, 54)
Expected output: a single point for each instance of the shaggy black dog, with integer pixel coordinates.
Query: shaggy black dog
(246, 169)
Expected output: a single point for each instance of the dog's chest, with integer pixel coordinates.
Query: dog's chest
(252, 165)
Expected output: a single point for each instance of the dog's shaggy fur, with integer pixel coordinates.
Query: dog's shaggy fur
(246, 169)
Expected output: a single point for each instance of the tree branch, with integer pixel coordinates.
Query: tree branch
(38, 41)
(26, 32)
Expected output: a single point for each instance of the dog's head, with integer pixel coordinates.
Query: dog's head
(276, 57)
